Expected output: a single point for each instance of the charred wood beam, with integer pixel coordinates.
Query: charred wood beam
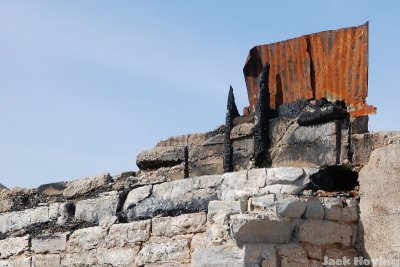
(262, 113)
(231, 113)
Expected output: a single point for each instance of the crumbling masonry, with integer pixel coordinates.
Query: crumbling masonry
(294, 181)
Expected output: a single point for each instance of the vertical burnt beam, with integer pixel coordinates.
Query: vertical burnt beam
(261, 127)
(231, 113)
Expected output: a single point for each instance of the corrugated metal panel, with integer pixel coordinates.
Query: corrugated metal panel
(330, 64)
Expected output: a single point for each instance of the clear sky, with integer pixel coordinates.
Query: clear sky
(86, 85)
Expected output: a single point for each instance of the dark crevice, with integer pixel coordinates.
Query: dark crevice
(312, 68)
(186, 170)
(334, 179)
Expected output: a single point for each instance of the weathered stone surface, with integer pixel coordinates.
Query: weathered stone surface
(166, 156)
(86, 258)
(116, 257)
(243, 153)
(325, 232)
(176, 197)
(86, 185)
(49, 243)
(359, 125)
(164, 174)
(314, 145)
(13, 246)
(260, 255)
(207, 159)
(128, 234)
(313, 252)
(291, 250)
(86, 239)
(362, 145)
(379, 211)
(332, 209)
(350, 213)
(290, 206)
(53, 189)
(334, 253)
(314, 209)
(242, 130)
(199, 241)
(16, 199)
(98, 210)
(46, 260)
(136, 195)
(253, 229)
(179, 225)
(167, 251)
(243, 184)
(21, 261)
(218, 256)
(262, 202)
(17, 220)
(288, 180)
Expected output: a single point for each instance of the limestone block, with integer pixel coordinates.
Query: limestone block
(380, 190)
(242, 130)
(46, 260)
(50, 243)
(260, 255)
(163, 174)
(128, 234)
(86, 239)
(350, 213)
(21, 261)
(164, 251)
(314, 209)
(98, 210)
(303, 262)
(262, 202)
(226, 207)
(161, 157)
(313, 252)
(290, 206)
(136, 195)
(325, 232)
(86, 185)
(17, 220)
(120, 257)
(314, 145)
(13, 246)
(218, 256)
(362, 145)
(243, 184)
(199, 241)
(181, 196)
(53, 189)
(86, 258)
(332, 208)
(207, 159)
(246, 228)
(179, 225)
(291, 250)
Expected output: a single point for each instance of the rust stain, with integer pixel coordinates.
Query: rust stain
(331, 64)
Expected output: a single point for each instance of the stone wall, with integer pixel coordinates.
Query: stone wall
(261, 217)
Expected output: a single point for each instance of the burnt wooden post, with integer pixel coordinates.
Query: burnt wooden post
(231, 113)
(261, 127)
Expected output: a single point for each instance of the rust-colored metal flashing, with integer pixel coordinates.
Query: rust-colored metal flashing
(331, 64)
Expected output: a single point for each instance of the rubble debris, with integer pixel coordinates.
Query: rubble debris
(231, 113)
(319, 111)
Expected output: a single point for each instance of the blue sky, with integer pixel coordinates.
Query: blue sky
(86, 85)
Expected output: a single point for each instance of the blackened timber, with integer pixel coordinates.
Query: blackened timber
(261, 127)
(231, 113)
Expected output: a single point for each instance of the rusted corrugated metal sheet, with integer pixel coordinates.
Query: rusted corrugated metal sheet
(330, 64)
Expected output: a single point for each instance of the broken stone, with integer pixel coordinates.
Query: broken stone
(179, 225)
(207, 159)
(333, 209)
(247, 228)
(243, 184)
(260, 255)
(46, 260)
(164, 251)
(86, 239)
(176, 197)
(164, 173)
(50, 243)
(292, 110)
(53, 189)
(290, 206)
(86, 185)
(128, 234)
(161, 157)
(243, 153)
(136, 195)
(13, 246)
(324, 232)
(322, 111)
(314, 210)
(242, 130)
(99, 209)
(218, 256)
